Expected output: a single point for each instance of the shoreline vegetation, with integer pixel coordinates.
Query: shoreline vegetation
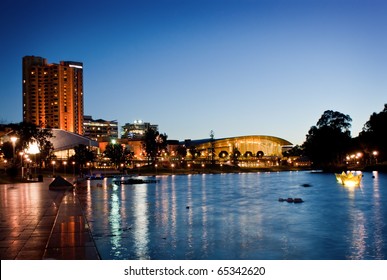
(209, 169)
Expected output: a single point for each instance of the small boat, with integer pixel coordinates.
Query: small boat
(349, 179)
(132, 181)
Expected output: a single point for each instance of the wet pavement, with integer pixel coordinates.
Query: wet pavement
(38, 223)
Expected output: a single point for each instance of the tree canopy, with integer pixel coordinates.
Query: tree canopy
(29, 133)
(374, 133)
(154, 143)
(117, 153)
(327, 142)
(83, 155)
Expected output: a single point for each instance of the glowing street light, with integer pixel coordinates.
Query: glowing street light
(375, 154)
(21, 158)
(73, 163)
(53, 168)
(65, 165)
(13, 140)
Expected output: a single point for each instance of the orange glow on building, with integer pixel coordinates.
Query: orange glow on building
(53, 94)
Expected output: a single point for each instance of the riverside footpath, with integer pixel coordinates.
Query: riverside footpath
(38, 223)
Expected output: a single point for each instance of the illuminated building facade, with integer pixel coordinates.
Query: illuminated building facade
(244, 148)
(136, 130)
(100, 130)
(53, 94)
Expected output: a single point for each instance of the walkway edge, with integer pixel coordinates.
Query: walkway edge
(70, 237)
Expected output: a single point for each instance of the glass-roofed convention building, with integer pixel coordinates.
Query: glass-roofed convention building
(251, 149)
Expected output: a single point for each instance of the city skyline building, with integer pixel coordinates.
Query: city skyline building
(53, 94)
(136, 130)
(100, 130)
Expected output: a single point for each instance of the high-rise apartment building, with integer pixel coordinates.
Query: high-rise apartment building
(100, 130)
(53, 94)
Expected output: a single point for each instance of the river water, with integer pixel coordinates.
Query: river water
(239, 216)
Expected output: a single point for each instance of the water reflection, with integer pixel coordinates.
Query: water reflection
(115, 224)
(141, 223)
(378, 220)
(238, 216)
(359, 235)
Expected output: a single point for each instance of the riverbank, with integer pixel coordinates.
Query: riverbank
(153, 171)
(210, 169)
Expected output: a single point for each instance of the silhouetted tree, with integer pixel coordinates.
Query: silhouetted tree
(26, 132)
(373, 137)
(7, 150)
(181, 151)
(116, 153)
(46, 148)
(327, 143)
(194, 152)
(83, 155)
(154, 143)
(29, 133)
(294, 152)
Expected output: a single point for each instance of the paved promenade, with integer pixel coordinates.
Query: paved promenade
(38, 223)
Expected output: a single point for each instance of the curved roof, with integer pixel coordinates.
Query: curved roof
(278, 140)
(65, 140)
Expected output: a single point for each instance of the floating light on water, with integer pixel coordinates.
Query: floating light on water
(349, 179)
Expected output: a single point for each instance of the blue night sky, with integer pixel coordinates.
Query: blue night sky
(237, 67)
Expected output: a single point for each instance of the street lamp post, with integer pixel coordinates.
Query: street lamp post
(53, 168)
(21, 163)
(13, 140)
(375, 153)
(65, 165)
(73, 163)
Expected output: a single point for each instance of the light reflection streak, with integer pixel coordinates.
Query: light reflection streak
(190, 253)
(359, 236)
(141, 223)
(115, 224)
(169, 229)
(378, 219)
(359, 232)
(204, 216)
(173, 212)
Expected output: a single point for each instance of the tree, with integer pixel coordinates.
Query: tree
(181, 151)
(7, 150)
(116, 153)
(328, 141)
(154, 143)
(82, 155)
(373, 137)
(294, 152)
(29, 133)
(46, 148)
(194, 152)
